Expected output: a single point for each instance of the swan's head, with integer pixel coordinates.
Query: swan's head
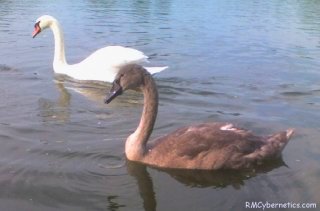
(42, 23)
(129, 77)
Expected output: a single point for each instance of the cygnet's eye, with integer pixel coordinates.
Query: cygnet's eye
(117, 81)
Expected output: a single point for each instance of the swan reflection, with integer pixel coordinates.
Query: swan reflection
(196, 178)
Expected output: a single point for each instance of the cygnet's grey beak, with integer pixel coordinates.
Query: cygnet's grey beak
(114, 92)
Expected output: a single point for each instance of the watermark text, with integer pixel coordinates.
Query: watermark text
(272, 205)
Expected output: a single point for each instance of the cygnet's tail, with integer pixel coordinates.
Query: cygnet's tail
(273, 146)
(276, 143)
(154, 70)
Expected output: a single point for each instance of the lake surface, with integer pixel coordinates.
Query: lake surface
(254, 63)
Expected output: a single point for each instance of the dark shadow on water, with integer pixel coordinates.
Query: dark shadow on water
(196, 178)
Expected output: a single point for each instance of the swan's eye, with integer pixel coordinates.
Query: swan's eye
(37, 24)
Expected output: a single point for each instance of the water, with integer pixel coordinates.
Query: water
(255, 63)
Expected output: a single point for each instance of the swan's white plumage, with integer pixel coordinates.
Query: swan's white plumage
(101, 65)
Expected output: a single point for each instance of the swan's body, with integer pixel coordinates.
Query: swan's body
(101, 65)
(204, 146)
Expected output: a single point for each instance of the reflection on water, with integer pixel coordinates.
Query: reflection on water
(56, 110)
(195, 178)
(144, 183)
(221, 179)
(254, 63)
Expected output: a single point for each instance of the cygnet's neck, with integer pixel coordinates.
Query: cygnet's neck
(59, 52)
(136, 142)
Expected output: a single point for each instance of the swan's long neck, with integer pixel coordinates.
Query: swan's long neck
(136, 142)
(59, 52)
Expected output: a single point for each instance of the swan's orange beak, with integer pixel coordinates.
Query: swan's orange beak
(115, 91)
(36, 30)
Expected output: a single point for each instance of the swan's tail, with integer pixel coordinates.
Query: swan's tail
(273, 146)
(154, 70)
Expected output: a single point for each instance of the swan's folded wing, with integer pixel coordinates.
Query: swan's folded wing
(116, 56)
(209, 146)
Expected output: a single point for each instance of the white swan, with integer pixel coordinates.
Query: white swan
(101, 65)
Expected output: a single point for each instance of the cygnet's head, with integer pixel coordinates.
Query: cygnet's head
(129, 77)
(42, 23)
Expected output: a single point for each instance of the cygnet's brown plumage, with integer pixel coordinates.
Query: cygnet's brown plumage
(204, 146)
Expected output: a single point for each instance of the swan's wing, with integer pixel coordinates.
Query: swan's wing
(116, 56)
(205, 146)
(104, 64)
(217, 145)
(210, 137)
